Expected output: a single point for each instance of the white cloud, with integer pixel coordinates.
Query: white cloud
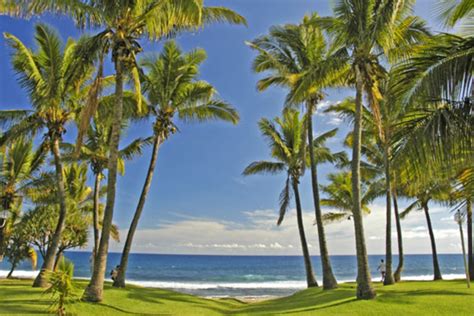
(258, 234)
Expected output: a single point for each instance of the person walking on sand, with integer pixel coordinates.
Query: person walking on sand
(382, 270)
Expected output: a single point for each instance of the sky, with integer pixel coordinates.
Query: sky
(199, 202)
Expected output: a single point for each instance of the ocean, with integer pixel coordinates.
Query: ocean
(244, 276)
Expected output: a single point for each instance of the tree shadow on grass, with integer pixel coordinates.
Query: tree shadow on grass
(164, 298)
(304, 301)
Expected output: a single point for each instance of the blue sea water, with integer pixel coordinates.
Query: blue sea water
(244, 276)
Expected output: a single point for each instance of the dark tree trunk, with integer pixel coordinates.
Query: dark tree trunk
(329, 281)
(437, 272)
(364, 282)
(13, 267)
(120, 279)
(59, 256)
(95, 216)
(398, 272)
(310, 279)
(470, 257)
(48, 264)
(388, 229)
(94, 291)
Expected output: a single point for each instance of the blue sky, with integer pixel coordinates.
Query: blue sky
(198, 178)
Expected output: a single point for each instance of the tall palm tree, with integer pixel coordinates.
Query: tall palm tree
(369, 30)
(53, 79)
(288, 148)
(174, 92)
(378, 152)
(289, 54)
(124, 23)
(423, 195)
(339, 196)
(19, 167)
(95, 150)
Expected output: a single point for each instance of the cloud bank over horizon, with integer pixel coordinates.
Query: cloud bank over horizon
(258, 234)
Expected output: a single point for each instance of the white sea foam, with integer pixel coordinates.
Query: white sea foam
(23, 274)
(289, 285)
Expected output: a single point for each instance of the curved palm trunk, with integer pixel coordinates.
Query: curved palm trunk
(398, 272)
(388, 229)
(469, 239)
(94, 291)
(437, 272)
(95, 216)
(329, 281)
(310, 279)
(120, 279)
(59, 256)
(364, 282)
(13, 267)
(49, 259)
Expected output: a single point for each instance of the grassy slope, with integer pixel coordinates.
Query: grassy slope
(407, 298)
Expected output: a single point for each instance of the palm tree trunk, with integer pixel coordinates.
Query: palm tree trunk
(59, 256)
(11, 270)
(310, 279)
(469, 239)
(2, 242)
(95, 215)
(48, 264)
(364, 282)
(388, 229)
(120, 279)
(398, 272)
(437, 272)
(329, 281)
(94, 291)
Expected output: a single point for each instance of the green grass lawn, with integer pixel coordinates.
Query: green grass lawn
(406, 298)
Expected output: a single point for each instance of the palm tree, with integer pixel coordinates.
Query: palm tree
(288, 148)
(179, 94)
(423, 195)
(19, 166)
(369, 30)
(95, 150)
(289, 54)
(124, 24)
(53, 78)
(339, 196)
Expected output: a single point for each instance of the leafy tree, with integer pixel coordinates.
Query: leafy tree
(19, 248)
(174, 92)
(288, 148)
(290, 54)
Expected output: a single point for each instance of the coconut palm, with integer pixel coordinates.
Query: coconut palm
(288, 148)
(54, 80)
(423, 195)
(175, 94)
(289, 54)
(19, 166)
(338, 194)
(369, 30)
(95, 151)
(377, 149)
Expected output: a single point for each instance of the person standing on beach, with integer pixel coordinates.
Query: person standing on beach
(382, 269)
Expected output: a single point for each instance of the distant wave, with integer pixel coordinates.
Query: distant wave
(195, 285)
